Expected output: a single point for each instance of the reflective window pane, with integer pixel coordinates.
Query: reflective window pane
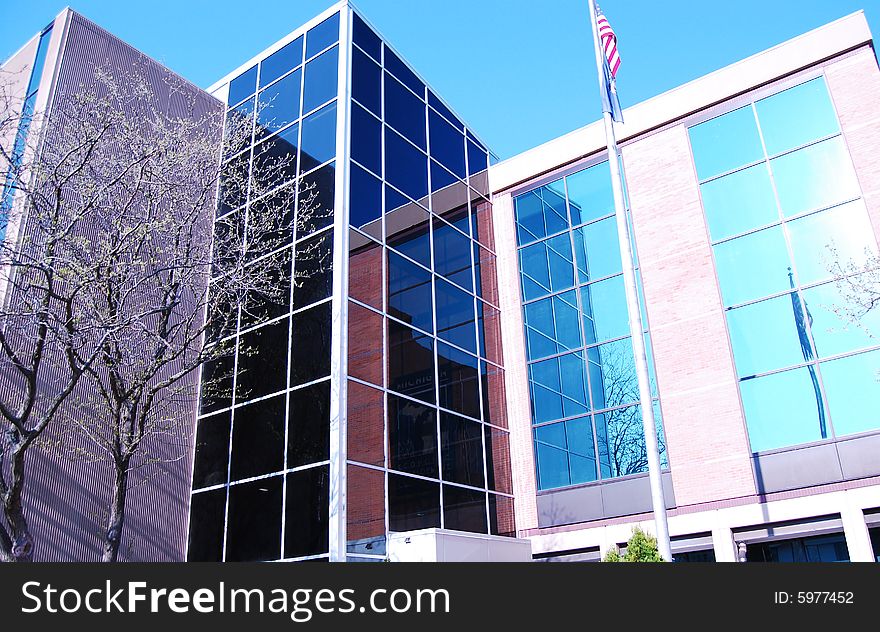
(589, 194)
(405, 166)
(409, 292)
(547, 267)
(401, 71)
(833, 331)
(308, 426)
(412, 437)
(279, 104)
(258, 438)
(404, 111)
(841, 235)
(783, 409)
(459, 381)
(366, 82)
(413, 503)
(597, 250)
(796, 116)
(242, 86)
(216, 381)
(366, 139)
(262, 361)
(455, 316)
(211, 451)
(253, 530)
(435, 102)
(613, 380)
(316, 200)
(320, 37)
(307, 521)
(364, 37)
(725, 143)
(365, 200)
(410, 362)
(461, 444)
(407, 227)
(552, 325)
(753, 266)
(621, 439)
(739, 202)
(603, 306)
(765, 336)
(320, 83)
(452, 254)
(310, 345)
(447, 145)
(313, 270)
(275, 161)
(552, 466)
(559, 387)
(318, 138)
(853, 390)
(498, 460)
(540, 212)
(814, 177)
(464, 509)
(281, 61)
(237, 132)
(207, 519)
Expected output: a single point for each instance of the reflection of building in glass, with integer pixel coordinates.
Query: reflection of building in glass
(411, 420)
(374, 401)
(745, 189)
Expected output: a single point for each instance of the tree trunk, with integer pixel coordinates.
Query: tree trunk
(115, 522)
(22, 545)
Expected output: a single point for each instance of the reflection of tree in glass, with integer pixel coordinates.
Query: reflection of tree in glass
(858, 285)
(619, 432)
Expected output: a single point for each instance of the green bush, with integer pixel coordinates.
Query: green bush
(640, 548)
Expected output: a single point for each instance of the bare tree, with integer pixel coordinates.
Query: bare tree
(857, 281)
(134, 187)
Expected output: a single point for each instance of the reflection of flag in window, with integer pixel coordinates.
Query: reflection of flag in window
(800, 309)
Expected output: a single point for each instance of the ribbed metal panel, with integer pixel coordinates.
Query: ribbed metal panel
(66, 500)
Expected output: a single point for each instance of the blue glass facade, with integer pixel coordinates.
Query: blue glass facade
(785, 217)
(583, 387)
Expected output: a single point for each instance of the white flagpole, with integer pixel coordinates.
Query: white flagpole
(636, 327)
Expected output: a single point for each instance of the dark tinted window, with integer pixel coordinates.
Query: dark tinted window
(308, 432)
(279, 104)
(437, 104)
(253, 531)
(275, 161)
(409, 292)
(412, 437)
(258, 438)
(365, 198)
(316, 200)
(306, 527)
(447, 145)
(272, 299)
(206, 521)
(366, 139)
(217, 383)
(412, 503)
(461, 442)
(262, 361)
(212, 451)
(365, 38)
(410, 362)
(452, 254)
(366, 82)
(458, 381)
(405, 166)
(407, 76)
(455, 316)
(404, 111)
(310, 345)
(313, 270)
(464, 509)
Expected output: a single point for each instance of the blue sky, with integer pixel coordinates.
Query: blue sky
(521, 72)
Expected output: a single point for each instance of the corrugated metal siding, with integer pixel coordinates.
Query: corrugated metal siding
(66, 501)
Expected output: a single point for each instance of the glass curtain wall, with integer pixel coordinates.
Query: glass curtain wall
(584, 391)
(785, 217)
(427, 432)
(260, 477)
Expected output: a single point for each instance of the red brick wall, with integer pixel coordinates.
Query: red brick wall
(705, 430)
(854, 83)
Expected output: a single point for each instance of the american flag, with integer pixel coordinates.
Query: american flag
(609, 42)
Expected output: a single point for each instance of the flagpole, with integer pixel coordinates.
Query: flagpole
(636, 327)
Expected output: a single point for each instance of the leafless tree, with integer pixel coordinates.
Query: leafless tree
(117, 203)
(857, 281)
